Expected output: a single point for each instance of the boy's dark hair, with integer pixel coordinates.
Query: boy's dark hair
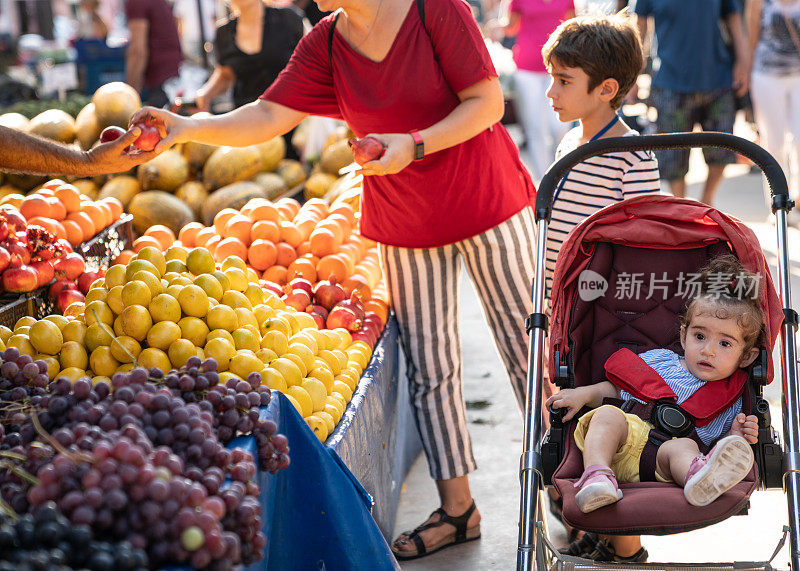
(604, 47)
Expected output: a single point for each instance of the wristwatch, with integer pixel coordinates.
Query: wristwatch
(419, 145)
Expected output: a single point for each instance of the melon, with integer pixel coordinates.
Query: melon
(122, 187)
(233, 196)
(335, 157)
(166, 172)
(87, 128)
(318, 184)
(291, 171)
(157, 207)
(272, 184)
(114, 103)
(25, 182)
(16, 121)
(227, 165)
(272, 152)
(53, 124)
(87, 187)
(197, 154)
(194, 193)
(8, 189)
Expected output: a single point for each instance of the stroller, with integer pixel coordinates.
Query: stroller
(669, 238)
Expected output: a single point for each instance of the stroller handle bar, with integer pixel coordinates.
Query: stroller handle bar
(776, 179)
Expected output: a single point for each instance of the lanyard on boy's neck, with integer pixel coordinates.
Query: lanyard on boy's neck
(596, 136)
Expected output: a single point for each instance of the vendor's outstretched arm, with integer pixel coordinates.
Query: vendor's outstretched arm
(253, 123)
(575, 399)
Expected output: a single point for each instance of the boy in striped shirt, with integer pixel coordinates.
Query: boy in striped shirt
(594, 62)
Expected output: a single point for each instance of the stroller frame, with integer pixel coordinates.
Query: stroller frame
(534, 550)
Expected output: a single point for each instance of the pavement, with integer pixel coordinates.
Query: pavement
(496, 429)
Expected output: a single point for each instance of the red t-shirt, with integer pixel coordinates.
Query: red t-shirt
(449, 195)
(163, 44)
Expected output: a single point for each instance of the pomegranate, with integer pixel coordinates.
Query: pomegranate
(343, 317)
(364, 336)
(319, 309)
(66, 297)
(318, 319)
(14, 220)
(297, 299)
(69, 267)
(354, 304)
(19, 254)
(20, 279)
(64, 246)
(299, 283)
(60, 285)
(3, 230)
(366, 149)
(44, 270)
(272, 286)
(111, 133)
(149, 137)
(5, 258)
(22, 236)
(86, 279)
(328, 293)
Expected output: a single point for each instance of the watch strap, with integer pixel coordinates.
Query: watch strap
(419, 145)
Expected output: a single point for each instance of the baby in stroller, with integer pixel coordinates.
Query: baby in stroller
(719, 334)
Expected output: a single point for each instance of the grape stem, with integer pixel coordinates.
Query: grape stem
(56, 444)
(19, 472)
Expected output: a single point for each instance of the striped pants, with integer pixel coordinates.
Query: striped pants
(424, 289)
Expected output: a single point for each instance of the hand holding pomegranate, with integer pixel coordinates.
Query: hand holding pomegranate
(113, 156)
(172, 128)
(398, 152)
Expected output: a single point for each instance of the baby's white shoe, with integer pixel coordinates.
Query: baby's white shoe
(725, 466)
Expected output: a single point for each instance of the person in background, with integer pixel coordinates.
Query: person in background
(154, 49)
(195, 29)
(91, 25)
(532, 21)
(696, 79)
(773, 32)
(310, 11)
(252, 48)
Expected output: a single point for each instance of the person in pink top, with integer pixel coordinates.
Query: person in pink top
(532, 22)
(450, 190)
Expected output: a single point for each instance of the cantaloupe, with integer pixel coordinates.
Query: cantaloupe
(157, 207)
(272, 184)
(53, 124)
(335, 157)
(318, 184)
(87, 187)
(233, 196)
(122, 187)
(291, 171)
(16, 121)
(166, 172)
(87, 128)
(272, 152)
(194, 193)
(114, 104)
(25, 182)
(227, 165)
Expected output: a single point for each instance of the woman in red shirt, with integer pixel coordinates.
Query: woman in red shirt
(461, 196)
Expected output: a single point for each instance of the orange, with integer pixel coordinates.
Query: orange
(303, 249)
(69, 196)
(228, 247)
(188, 234)
(345, 209)
(290, 234)
(302, 268)
(73, 232)
(357, 283)
(203, 236)
(52, 184)
(343, 222)
(85, 223)
(35, 205)
(316, 204)
(96, 215)
(222, 217)
(277, 274)
(333, 227)
(305, 225)
(124, 257)
(211, 245)
(144, 241)
(378, 307)
(262, 254)
(57, 209)
(291, 204)
(312, 257)
(265, 230)
(238, 226)
(162, 234)
(109, 214)
(286, 254)
(52, 226)
(265, 212)
(352, 250)
(332, 265)
(323, 242)
(115, 205)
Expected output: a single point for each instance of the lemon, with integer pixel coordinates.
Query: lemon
(233, 262)
(139, 265)
(152, 357)
(180, 281)
(98, 311)
(279, 324)
(175, 266)
(163, 334)
(303, 398)
(327, 418)
(222, 279)
(176, 252)
(245, 317)
(237, 278)
(72, 373)
(73, 331)
(200, 261)
(118, 330)
(297, 361)
(306, 339)
(266, 355)
(305, 321)
(221, 350)
(341, 356)
(334, 339)
(125, 349)
(244, 363)
(114, 300)
(210, 285)
(136, 322)
(76, 309)
(290, 371)
(22, 330)
(164, 307)
(317, 426)
(295, 404)
(317, 391)
(179, 352)
(155, 284)
(53, 366)
(5, 333)
(291, 318)
(124, 368)
(227, 375)
(194, 301)
(343, 389)
(155, 257)
(194, 329)
(98, 283)
(254, 293)
(102, 362)
(236, 299)
(245, 339)
(214, 333)
(73, 355)
(115, 276)
(252, 276)
(276, 341)
(319, 337)
(273, 301)
(332, 361)
(349, 378)
(273, 379)
(305, 354)
(45, 336)
(136, 293)
(324, 375)
(96, 294)
(222, 317)
(98, 334)
(262, 312)
(332, 408)
(174, 290)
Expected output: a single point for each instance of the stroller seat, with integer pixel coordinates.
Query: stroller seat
(638, 320)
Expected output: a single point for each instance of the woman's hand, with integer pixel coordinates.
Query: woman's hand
(571, 399)
(172, 127)
(398, 155)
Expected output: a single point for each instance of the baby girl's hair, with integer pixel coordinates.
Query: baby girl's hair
(732, 292)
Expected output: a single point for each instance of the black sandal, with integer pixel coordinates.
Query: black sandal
(461, 535)
(591, 546)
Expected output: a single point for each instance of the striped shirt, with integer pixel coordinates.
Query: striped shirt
(668, 366)
(593, 184)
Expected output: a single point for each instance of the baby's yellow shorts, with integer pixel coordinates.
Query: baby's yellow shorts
(625, 462)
